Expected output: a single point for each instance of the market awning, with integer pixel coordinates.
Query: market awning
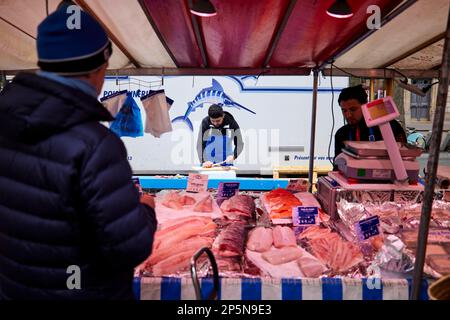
(283, 36)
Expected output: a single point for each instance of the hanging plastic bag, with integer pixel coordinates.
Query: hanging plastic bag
(157, 107)
(128, 122)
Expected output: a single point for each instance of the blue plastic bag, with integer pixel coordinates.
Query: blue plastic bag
(128, 122)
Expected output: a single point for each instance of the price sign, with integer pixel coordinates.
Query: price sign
(197, 183)
(368, 228)
(303, 216)
(227, 189)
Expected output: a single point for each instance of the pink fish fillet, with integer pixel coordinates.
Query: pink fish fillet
(173, 224)
(310, 266)
(284, 237)
(189, 230)
(191, 243)
(314, 232)
(338, 254)
(174, 263)
(172, 200)
(175, 200)
(283, 255)
(204, 205)
(238, 205)
(260, 239)
(186, 200)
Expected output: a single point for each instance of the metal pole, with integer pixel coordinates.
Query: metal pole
(433, 160)
(313, 129)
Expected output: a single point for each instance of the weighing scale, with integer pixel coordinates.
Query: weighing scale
(384, 166)
(381, 161)
(363, 161)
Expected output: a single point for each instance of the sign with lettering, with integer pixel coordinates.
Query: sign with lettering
(302, 216)
(368, 228)
(197, 183)
(227, 189)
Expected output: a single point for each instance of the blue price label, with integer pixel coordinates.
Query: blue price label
(304, 216)
(227, 189)
(368, 228)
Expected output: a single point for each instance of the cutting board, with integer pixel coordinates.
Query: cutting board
(215, 168)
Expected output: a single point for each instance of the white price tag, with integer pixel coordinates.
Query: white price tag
(197, 183)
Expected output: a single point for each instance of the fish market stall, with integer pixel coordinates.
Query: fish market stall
(262, 253)
(282, 245)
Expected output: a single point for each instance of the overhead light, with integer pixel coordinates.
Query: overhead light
(340, 9)
(202, 8)
(411, 88)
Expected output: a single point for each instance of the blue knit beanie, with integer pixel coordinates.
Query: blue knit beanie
(71, 42)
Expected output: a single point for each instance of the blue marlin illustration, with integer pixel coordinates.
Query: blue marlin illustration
(215, 95)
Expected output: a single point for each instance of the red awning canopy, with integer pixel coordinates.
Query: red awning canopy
(283, 36)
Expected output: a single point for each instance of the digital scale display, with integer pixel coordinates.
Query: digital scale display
(380, 111)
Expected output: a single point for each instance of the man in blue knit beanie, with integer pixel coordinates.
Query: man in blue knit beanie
(72, 223)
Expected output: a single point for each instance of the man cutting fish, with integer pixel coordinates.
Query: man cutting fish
(220, 140)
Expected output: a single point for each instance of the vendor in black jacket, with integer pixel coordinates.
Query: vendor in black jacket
(219, 139)
(350, 101)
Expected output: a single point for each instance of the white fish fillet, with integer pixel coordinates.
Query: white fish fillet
(285, 271)
(260, 239)
(283, 255)
(311, 266)
(284, 237)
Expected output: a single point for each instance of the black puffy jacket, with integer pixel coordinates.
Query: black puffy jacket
(66, 197)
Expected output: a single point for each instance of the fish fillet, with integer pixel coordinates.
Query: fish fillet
(176, 200)
(238, 206)
(281, 271)
(175, 223)
(283, 255)
(183, 233)
(314, 232)
(191, 243)
(260, 239)
(279, 203)
(338, 254)
(172, 200)
(231, 241)
(204, 205)
(174, 263)
(284, 237)
(186, 200)
(310, 266)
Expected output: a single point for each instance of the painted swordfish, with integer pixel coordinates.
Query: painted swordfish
(213, 95)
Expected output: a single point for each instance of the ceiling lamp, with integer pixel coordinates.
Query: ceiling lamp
(340, 9)
(202, 8)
